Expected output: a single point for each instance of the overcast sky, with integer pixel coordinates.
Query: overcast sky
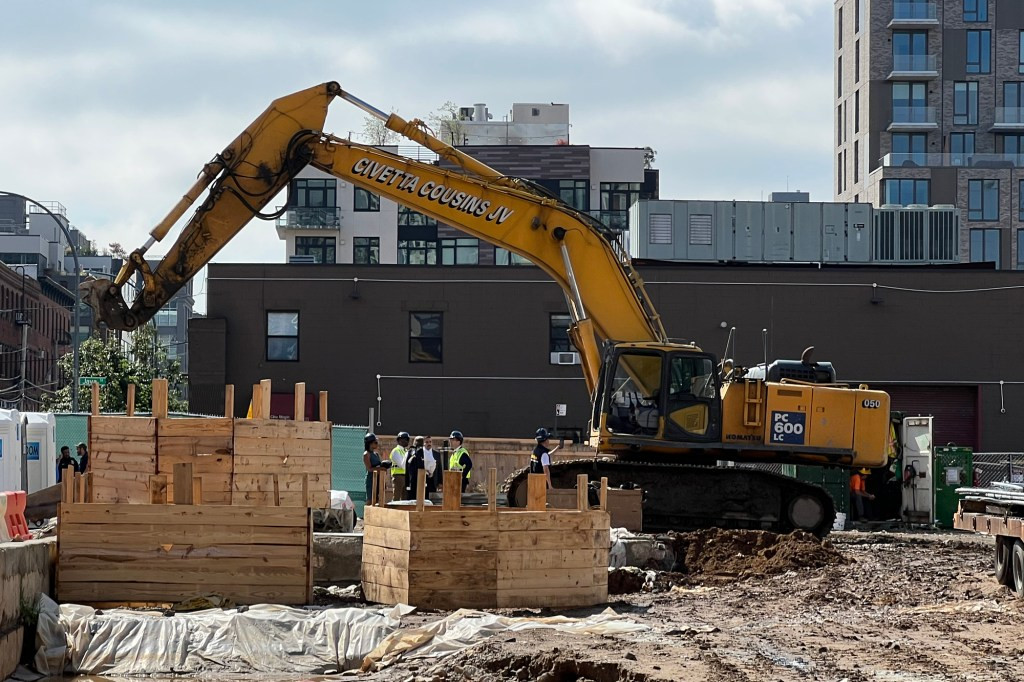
(111, 108)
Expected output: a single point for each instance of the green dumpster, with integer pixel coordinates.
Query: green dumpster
(953, 468)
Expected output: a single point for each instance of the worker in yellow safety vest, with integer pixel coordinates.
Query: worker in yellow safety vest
(460, 460)
(397, 457)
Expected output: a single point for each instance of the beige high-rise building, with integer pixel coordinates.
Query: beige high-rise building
(929, 110)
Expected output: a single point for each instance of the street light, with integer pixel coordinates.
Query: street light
(75, 316)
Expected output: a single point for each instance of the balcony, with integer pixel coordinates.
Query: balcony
(914, 67)
(918, 160)
(909, 14)
(1009, 118)
(306, 218)
(913, 118)
(614, 220)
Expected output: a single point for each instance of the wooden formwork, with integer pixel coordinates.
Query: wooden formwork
(451, 556)
(172, 552)
(249, 462)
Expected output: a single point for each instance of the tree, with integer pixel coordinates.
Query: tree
(143, 360)
(116, 249)
(447, 125)
(376, 133)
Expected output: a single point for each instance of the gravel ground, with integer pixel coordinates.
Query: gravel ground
(896, 607)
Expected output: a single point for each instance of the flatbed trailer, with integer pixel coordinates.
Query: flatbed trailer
(1006, 523)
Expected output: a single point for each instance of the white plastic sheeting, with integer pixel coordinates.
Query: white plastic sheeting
(263, 638)
(464, 628)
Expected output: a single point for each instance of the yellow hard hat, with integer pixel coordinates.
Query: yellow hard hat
(865, 471)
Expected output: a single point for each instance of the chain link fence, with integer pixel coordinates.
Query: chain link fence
(990, 467)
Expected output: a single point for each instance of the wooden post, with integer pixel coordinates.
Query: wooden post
(604, 493)
(67, 485)
(95, 398)
(229, 400)
(582, 503)
(197, 490)
(537, 492)
(421, 489)
(88, 486)
(374, 475)
(264, 400)
(277, 491)
(129, 408)
(79, 488)
(257, 401)
(160, 409)
(305, 490)
(323, 407)
(158, 489)
(183, 483)
(451, 491)
(382, 490)
(300, 401)
(492, 490)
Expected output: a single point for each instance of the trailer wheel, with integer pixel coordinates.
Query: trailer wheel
(1018, 568)
(1004, 561)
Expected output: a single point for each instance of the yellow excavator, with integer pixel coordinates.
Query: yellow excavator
(664, 411)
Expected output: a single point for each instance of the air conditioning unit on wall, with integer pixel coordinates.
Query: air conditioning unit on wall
(565, 358)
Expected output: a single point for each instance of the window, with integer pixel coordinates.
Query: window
(1013, 102)
(909, 147)
(985, 246)
(506, 257)
(417, 252)
(363, 200)
(1013, 147)
(558, 333)
(856, 161)
(839, 124)
(909, 50)
(983, 200)
(1020, 212)
(839, 25)
(1020, 249)
(856, 62)
(366, 250)
(321, 248)
(839, 173)
(846, 128)
(616, 198)
(909, 103)
(905, 192)
(844, 170)
(856, 112)
(839, 76)
(1020, 52)
(462, 251)
(425, 337)
(408, 217)
(283, 336)
(573, 192)
(965, 103)
(961, 147)
(975, 10)
(311, 193)
(166, 317)
(858, 15)
(979, 52)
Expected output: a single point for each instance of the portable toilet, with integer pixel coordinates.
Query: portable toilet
(39, 433)
(10, 451)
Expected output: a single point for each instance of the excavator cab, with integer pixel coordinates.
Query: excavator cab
(653, 392)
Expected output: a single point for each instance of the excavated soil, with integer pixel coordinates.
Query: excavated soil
(892, 607)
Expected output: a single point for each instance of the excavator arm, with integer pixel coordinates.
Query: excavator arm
(606, 296)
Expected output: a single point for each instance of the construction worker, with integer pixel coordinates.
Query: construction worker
(460, 460)
(397, 458)
(859, 493)
(414, 463)
(540, 460)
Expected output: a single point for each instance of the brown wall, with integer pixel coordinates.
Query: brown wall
(496, 325)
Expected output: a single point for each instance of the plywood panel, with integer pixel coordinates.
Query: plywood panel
(282, 429)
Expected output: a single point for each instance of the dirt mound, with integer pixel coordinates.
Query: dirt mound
(742, 553)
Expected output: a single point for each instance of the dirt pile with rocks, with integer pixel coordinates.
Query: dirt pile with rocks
(744, 553)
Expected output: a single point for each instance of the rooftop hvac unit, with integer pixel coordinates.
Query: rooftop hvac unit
(565, 358)
(302, 259)
(890, 207)
(944, 207)
(465, 113)
(918, 206)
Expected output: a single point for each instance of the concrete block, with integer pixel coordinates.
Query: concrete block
(10, 651)
(337, 558)
(26, 570)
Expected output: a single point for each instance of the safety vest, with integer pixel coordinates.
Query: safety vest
(455, 459)
(395, 469)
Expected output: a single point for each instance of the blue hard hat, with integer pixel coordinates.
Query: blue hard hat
(369, 438)
(457, 434)
(542, 435)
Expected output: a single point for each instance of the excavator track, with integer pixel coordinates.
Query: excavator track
(683, 497)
